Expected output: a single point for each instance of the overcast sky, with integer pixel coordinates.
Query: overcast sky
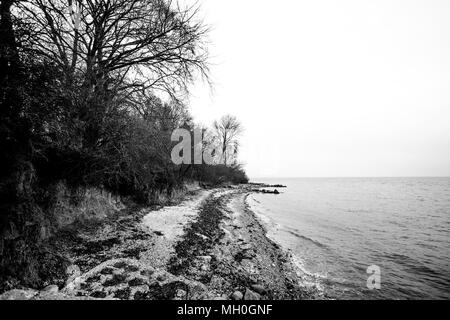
(332, 88)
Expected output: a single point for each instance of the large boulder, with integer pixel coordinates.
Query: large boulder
(250, 295)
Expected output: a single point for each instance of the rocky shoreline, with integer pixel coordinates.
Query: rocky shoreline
(210, 246)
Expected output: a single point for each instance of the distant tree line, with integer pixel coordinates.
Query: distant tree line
(90, 92)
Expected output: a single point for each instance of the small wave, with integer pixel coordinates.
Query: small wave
(317, 243)
(418, 268)
(309, 279)
(257, 201)
(358, 211)
(403, 259)
(303, 271)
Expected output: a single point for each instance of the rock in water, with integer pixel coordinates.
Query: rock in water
(276, 191)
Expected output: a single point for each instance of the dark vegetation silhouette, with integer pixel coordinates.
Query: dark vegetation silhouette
(90, 92)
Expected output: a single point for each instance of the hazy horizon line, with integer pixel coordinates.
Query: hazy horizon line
(342, 177)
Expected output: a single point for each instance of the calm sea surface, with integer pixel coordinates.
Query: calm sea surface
(337, 227)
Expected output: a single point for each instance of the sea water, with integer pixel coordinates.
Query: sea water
(337, 227)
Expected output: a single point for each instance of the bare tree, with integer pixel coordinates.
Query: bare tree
(157, 42)
(227, 129)
(113, 48)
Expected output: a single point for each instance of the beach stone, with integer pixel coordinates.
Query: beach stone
(247, 254)
(73, 271)
(147, 272)
(117, 271)
(205, 262)
(201, 236)
(161, 277)
(181, 294)
(250, 295)
(259, 289)
(19, 294)
(73, 285)
(237, 295)
(136, 282)
(53, 288)
(196, 290)
(253, 279)
(205, 258)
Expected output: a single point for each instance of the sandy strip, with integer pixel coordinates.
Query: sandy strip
(167, 225)
(170, 221)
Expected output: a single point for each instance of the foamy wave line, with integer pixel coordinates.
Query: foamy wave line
(303, 271)
(306, 278)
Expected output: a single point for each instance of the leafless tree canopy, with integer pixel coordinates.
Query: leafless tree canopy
(119, 44)
(227, 129)
(115, 54)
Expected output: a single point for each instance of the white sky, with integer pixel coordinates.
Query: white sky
(332, 88)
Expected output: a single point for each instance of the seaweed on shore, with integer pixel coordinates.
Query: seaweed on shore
(199, 237)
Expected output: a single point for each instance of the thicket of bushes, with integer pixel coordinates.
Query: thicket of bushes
(91, 103)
